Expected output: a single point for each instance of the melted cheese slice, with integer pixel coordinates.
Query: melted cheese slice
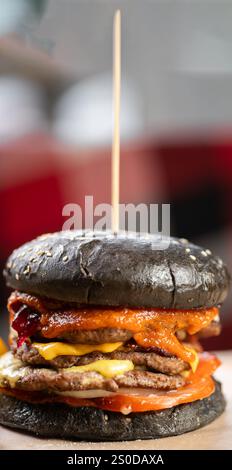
(194, 362)
(11, 370)
(51, 350)
(107, 368)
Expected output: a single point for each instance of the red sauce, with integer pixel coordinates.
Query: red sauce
(26, 323)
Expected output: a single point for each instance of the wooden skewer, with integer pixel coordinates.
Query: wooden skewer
(116, 120)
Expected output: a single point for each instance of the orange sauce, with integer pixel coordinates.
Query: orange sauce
(151, 328)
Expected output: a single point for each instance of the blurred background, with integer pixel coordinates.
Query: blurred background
(176, 120)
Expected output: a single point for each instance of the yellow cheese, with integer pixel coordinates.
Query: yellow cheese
(3, 347)
(195, 362)
(51, 350)
(107, 368)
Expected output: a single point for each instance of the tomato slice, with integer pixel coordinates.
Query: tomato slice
(199, 385)
(157, 401)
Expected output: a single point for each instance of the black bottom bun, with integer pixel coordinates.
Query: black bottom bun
(63, 421)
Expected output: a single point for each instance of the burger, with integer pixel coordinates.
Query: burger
(105, 337)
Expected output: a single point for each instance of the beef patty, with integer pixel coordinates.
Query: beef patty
(101, 335)
(151, 360)
(114, 335)
(15, 374)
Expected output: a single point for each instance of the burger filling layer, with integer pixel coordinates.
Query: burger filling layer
(70, 353)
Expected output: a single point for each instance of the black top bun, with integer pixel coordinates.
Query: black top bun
(103, 269)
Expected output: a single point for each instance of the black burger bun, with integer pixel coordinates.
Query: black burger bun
(103, 269)
(63, 421)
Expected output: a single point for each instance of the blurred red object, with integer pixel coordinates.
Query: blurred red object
(30, 197)
(40, 175)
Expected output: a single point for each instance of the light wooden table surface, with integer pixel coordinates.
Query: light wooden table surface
(216, 436)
